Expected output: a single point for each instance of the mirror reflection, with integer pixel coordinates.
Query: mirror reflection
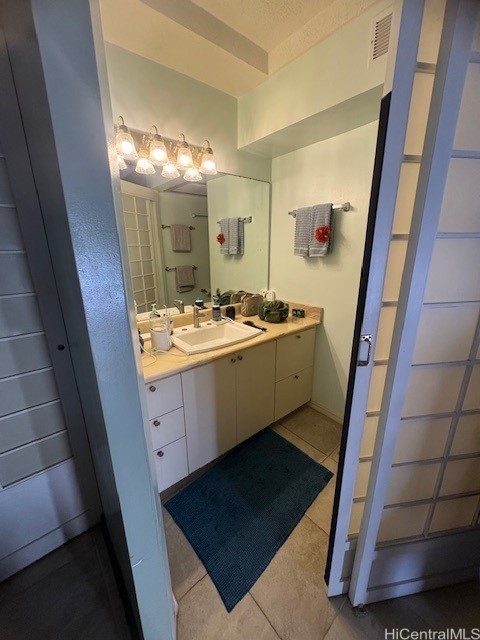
(188, 240)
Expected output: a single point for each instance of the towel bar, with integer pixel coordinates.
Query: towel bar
(199, 215)
(175, 268)
(167, 226)
(246, 220)
(346, 206)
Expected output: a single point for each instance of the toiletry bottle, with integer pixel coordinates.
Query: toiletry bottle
(216, 312)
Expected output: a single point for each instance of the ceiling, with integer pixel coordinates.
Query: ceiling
(232, 45)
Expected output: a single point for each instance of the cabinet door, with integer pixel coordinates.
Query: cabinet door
(210, 411)
(255, 389)
(171, 464)
(295, 353)
(292, 392)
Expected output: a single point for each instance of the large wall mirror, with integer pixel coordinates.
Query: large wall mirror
(159, 259)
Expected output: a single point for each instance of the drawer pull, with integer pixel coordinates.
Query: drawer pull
(152, 388)
(296, 377)
(232, 360)
(156, 423)
(160, 454)
(240, 357)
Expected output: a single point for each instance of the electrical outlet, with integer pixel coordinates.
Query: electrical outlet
(270, 295)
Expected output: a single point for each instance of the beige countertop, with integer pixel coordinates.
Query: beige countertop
(175, 361)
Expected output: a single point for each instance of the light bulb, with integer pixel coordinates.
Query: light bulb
(121, 163)
(170, 170)
(158, 153)
(192, 175)
(143, 163)
(158, 150)
(208, 165)
(124, 142)
(184, 155)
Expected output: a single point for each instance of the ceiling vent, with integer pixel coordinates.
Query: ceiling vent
(380, 38)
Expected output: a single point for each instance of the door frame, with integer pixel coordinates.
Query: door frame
(395, 106)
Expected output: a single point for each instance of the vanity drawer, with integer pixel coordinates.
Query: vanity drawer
(167, 428)
(295, 353)
(292, 392)
(164, 396)
(171, 463)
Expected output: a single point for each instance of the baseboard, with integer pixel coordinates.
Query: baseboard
(35, 550)
(326, 412)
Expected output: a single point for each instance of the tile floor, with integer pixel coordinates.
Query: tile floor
(289, 601)
(70, 594)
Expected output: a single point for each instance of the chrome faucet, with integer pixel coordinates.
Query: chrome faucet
(180, 306)
(196, 316)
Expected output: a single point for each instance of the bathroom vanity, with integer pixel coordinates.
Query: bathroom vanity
(201, 406)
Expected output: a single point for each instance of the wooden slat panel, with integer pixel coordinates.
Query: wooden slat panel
(32, 424)
(39, 504)
(28, 390)
(10, 235)
(19, 315)
(23, 354)
(32, 458)
(14, 274)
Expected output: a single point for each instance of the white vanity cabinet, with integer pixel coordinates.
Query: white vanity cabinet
(167, 429)
(210, 411)
(294, 371)
(227, 401)
(202, 413)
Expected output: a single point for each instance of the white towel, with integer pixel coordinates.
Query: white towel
(321, 219)
(224, 229)
(303, 228)
(180, 236)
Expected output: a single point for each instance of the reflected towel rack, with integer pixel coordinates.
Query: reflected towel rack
(175, 268)
(199, 215)
(335, 207)
(245, 220)
(167, 226)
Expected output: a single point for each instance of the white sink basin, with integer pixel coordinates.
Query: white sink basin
(212, 335)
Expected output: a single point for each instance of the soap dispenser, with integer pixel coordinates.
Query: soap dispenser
(216, 311)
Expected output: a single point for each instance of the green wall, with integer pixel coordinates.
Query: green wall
(147, 93)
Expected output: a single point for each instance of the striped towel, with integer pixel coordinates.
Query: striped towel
(321, 219)
(307, 221)
(236, 236)
(241, 236)
(224, 229)
(303, 227)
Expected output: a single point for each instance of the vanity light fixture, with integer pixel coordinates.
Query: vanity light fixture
(170, 170)
(158, 151)
(124, 142)
(155, 151)
(192, 175)
(143, 163)
(208, 165)
(121, 162)
(184, 153)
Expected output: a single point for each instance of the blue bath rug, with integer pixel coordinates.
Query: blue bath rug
(239, 513)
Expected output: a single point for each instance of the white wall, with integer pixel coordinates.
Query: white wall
(232, 196)
(177, 208)
(330, 73)
(335, 170)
